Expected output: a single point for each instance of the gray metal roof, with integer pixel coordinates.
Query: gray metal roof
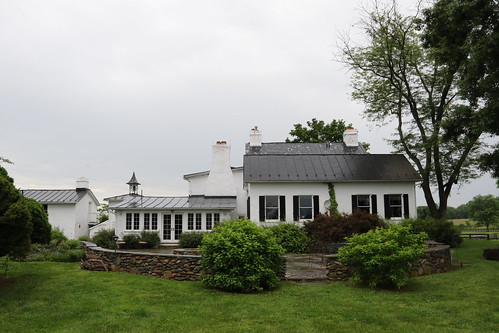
(303, 148)
(184, 203)
(55, 196)
(328, 168)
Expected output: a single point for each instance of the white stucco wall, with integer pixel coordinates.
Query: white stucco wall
(63, 216)
(86, 211)
(344, 192)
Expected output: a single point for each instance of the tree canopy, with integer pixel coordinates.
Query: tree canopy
(401, 82)
(464, 35)
(318, 131)
(22, 221)
(484, 209)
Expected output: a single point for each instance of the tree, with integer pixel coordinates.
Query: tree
(484, 209)
(400, 81)
(464, 35)
(103, 211)
(318, 131)
(39, 220)
(15, 230)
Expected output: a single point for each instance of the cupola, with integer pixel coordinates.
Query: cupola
(133, 185)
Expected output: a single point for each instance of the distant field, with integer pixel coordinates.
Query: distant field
(461, 221)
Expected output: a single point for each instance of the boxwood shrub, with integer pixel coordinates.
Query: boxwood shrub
(291, 237)
(383, 256)
(239, 256)
(190, 240)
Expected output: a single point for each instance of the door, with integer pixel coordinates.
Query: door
(172, 227)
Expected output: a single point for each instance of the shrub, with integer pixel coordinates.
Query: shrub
(57, 236)
(191, 240)
(383, 256)
(68, 256)
(442, 231)
(105, 239)
(131, 241)
(242, 257)
(151, 238)
(84, 238)
(291, 237)
(335, 228)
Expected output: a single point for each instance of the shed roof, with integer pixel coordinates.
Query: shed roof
(327, 168)
(184, 203)
(57, 196)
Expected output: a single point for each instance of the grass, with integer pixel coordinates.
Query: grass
(59, 297)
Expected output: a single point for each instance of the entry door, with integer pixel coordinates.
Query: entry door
(172, 227)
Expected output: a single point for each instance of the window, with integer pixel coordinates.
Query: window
(154, 221)
(46, 209)
(272, 208)
(146, 221)
(198, 221)
(209, 221)
(396, 205)
(365, 202)
(190, 221)
(136, 221)
(216, 218)
(128, 224)
(178, 226)
(305, 207)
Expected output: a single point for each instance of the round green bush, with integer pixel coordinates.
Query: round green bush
(151, 239)
(239, 256)
(383, 256)
(131, 241)
(191, 240)
(291, 237)
(105, 239)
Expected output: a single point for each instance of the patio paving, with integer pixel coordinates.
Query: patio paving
(306, 268)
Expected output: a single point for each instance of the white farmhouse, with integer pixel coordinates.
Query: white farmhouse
(293, 181)
(289, 182)
(72, 211)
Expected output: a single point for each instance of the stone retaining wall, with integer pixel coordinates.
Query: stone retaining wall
(168, 266)
(436, 259)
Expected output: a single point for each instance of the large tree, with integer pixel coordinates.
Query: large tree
(484, 209)
(400, 82)
(464, 34)
(318, 131)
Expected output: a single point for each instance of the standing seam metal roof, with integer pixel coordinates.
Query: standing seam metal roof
(184, 203)
(55, 196)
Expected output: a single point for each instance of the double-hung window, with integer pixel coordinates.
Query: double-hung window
(147, 221)
(365, 202)
(305, 207)
(272, 208)
(396, 205)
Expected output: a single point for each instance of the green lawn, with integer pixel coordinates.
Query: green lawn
(59, 297)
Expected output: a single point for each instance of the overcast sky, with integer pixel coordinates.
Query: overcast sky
(99, 89)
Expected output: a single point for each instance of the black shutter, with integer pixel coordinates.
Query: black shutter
(387, 206)
(262, 208)
(296, 208)
(354, 203)
(406, 205)
(282, 208)
(316, 205)
(374, 204)
(248, 210)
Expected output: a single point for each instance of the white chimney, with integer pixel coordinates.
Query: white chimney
(220, 180)
(82, 184)
(351, 137)
(255, 137)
